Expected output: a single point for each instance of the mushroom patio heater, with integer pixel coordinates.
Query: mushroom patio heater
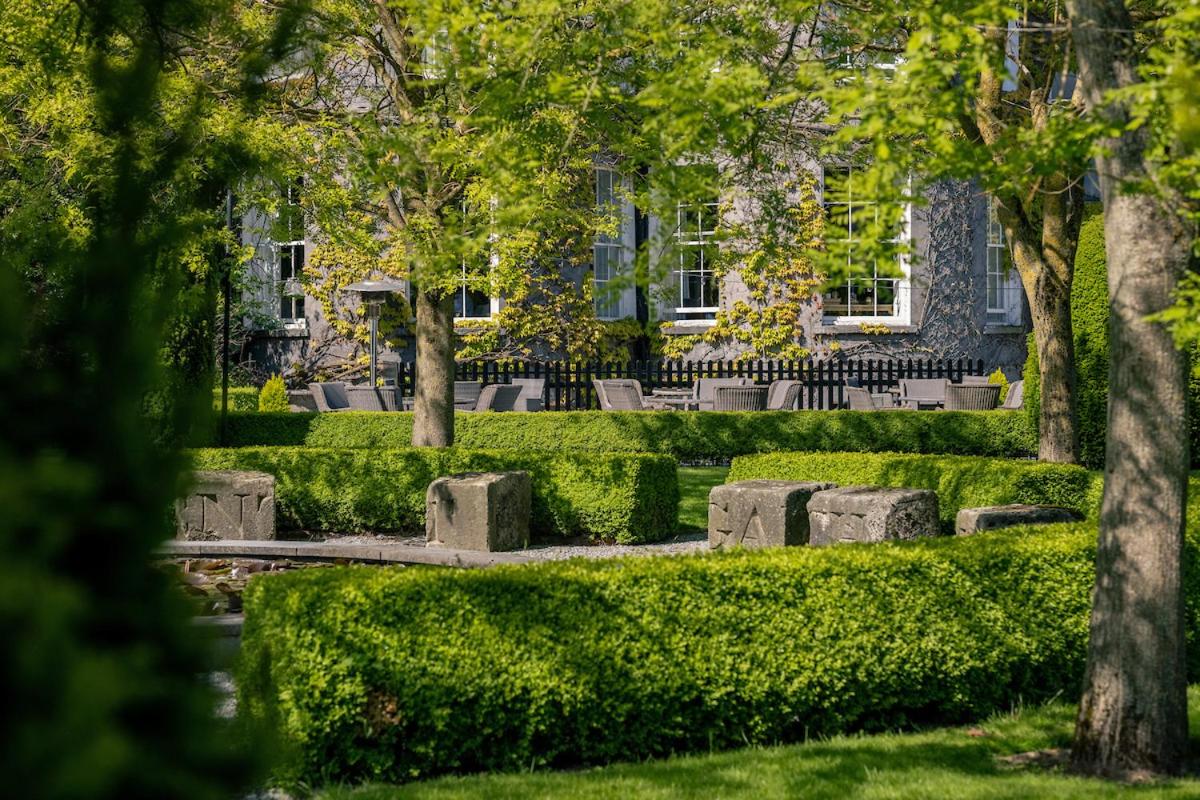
(373, 294)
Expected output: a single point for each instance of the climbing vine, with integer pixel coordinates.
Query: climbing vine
(769, 236)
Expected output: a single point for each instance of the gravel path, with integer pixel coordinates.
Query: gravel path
(550, 551)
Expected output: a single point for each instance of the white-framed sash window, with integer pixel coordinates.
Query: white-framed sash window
(289, 257)
(870, 291)
(1005, 293)
(697, 283)
(609, 249)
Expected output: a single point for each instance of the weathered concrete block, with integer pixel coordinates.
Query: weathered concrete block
(871, 514)
(486, 511)
(975, 520)
(228, 504)
(760, 513)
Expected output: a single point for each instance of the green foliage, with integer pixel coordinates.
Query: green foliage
(393, 675)
(241, 398)
(960, 481)
(1089, 312)
(116, 124)
(946, 762)
(770, 251)
(999, 379)
(626, 498)
(1033, 384)
(1089, 319)
(273, 398)
(691, 436)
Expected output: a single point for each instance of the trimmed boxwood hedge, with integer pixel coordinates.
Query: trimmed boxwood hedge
(398, 674)
(960, 481)
(1089, 322)
(628, 498)
(688, 436)
(241, 398)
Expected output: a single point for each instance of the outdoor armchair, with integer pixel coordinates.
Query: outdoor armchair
(783, 395)
(916, 392)
(466, 395)
(330, 396)
(1015, 399)
(623, 394)
(859, 399)
(533, 391)
(497, 397)
(704, 391)
(972, 397)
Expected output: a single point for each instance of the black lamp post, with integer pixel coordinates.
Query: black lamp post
(374, 293)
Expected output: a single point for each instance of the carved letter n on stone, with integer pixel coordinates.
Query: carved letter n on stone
(760, 513)
(228, 504)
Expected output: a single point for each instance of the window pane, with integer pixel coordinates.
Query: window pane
(862, 298)
(887, 297)
(835, 301)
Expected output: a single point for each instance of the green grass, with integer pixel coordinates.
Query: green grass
(694, 483)
(942, 763)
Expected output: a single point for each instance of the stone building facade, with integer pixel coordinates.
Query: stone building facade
(955, 296)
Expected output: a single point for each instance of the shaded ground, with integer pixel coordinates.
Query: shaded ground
(970, 763)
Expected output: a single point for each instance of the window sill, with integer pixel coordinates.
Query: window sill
(687, 327)
(285, 332)
(993, 328)
(873, 325)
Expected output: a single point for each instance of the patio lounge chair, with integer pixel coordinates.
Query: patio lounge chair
(785, 395)
(532, 392)
(972, 397)
(704, 392)
(1015, 399)
(497, 397)
(915, 392)
(330, 396)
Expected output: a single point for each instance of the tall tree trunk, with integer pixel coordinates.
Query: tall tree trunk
(1133, 715)
(433, 407)
(1045, 261)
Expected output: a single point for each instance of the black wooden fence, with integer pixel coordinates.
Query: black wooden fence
(569, 384)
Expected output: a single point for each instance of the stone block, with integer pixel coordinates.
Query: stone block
(485, 511)
(227, 504)
(871, 514)
(760, 513)
(975, 520)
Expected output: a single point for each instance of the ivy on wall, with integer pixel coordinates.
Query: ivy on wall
(770, 235)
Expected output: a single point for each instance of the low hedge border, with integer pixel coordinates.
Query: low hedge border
(627, 497)
(960, 481)
(394, 675)
(688, 436)
(243, 399)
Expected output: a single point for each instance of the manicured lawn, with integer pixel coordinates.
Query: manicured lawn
(956, 763)
(694, 483)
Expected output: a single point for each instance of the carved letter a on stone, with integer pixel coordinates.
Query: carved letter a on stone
(753, 533)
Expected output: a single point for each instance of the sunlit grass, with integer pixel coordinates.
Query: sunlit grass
(694, 483)
(943, 764)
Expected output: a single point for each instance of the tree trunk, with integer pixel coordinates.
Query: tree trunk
(1133, 715)
(1048, 287)
(433, 406)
